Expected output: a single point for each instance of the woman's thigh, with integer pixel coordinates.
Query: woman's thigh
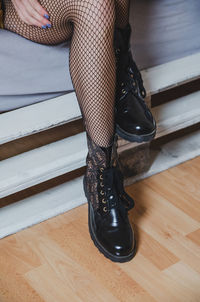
(60, 13)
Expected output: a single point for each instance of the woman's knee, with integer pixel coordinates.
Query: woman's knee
(60, 31)
(94, 12)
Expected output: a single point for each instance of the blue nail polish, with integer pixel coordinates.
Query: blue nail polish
(49, 25)
(44, 26)
(46, 16)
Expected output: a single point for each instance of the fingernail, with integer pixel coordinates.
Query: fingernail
(46, 16)
(48, 25)
(44, 26)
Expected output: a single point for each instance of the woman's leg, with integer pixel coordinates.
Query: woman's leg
(60, 31)
(93, 72)
(92, 58)
(92, 66)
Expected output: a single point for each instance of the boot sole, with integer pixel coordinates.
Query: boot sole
(98, 244)
(133, 137)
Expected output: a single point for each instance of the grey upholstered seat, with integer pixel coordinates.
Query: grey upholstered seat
(31, 72)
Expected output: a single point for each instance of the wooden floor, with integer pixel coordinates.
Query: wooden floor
(56, 261)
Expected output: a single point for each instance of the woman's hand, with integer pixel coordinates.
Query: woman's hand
(32, 13)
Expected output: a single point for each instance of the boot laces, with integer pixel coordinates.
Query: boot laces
(112, 192)
(134, 83)
(108, 197)
(135, 73)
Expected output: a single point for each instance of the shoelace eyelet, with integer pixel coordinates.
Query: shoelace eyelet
(125, 110)
(105, 209)
(117, 51)
(143, 93)
(103, 200)
(101, 192)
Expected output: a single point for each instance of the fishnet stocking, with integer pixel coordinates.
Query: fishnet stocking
(98, 159)
(122, 12)
(90, 25)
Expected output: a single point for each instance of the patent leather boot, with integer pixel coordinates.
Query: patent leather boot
(134, 120)
(108, 205)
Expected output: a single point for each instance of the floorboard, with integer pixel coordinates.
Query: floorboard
(57, 261)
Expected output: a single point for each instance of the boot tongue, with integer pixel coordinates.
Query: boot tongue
(122, 38)
(109, 177)
(107, 154)
(109, 182)
(117, 211)
(126, 33)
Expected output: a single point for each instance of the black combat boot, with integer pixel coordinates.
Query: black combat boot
(108, 205)
(134, 120)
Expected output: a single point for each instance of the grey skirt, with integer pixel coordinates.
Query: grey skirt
(31, 72)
